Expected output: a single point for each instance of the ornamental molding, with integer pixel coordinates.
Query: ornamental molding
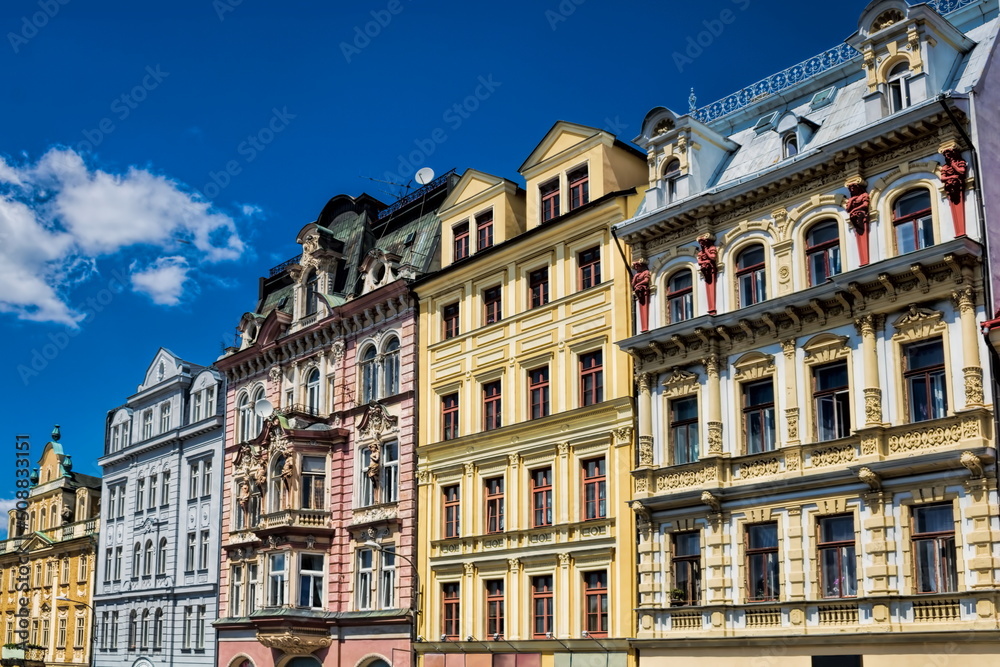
(753, 366)
(760, 468)
(374, 515)
(377, 421)
(832, 456)
(680, 382)
(669, 481)
(918, 323)
(825, 348)
(293, 643)
(934, 436)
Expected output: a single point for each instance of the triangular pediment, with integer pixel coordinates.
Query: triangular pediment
(562, 137)
(164, 366)
(473, 182)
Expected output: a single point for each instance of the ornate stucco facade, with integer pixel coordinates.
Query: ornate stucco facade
(526, 436)
(48, 562)
(319, 518)
(817, 478)
(157, 573)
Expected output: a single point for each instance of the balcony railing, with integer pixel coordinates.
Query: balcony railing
(295, 518)
(284, 265)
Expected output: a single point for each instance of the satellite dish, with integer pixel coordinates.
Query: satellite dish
(263, 408)
(424, 175)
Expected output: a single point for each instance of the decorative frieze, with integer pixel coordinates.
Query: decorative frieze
(833, 456)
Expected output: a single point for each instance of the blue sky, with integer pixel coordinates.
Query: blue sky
(156, 158)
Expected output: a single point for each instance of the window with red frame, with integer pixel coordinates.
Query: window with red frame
(541, 606)
(541, 497)
(449, 315)
(750, 276)
(449, 417)
(595, 592)
(924, 374)
(933, 538)
(484, 230)
(452, 503)
(538, 392)
(491, 406)
(538, 287)
(550, 199)
(763, 581)
(589, 262)
(494, 504)
(461, 240)
(450, 609)
(492, 311)
(591, 378)
(494, 608)
(823, 251)
(579, 187)
(595, 489)
(680, 297)
(912, 220)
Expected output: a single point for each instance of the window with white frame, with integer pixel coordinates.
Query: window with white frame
(313, 482)
(312, 392)
(277, 579)
(164, 417)
(375, 578)
(364, 579)
(378, 473)
(147, 424)
(245, 418)
(379, 371)
(311, 581)
(898, 84)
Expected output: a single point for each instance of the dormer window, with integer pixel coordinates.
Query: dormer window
(461, 233)
(790, 145)
(671, 174)
(550, 199)
(312, 293)
(579, 187)
(484, 230)
(899, 87)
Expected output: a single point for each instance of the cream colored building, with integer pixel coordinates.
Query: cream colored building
(526, 440)
(817, 481)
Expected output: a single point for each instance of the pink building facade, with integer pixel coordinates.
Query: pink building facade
(319, 509)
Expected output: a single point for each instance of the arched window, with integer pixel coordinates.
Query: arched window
(671, 174)
(158, 630)
(680, 302)
(312, 293)
(369, 375)
(246, 417)
(132, 629)
(161, 557)
(258, 421)
(390, 367)
(312, 392)
(276, 495)
(144, 636)
(899, 87)
(750, 276)
(911, 218)
(823, 251)
(790, 145)
(147, 558)
(136, 559)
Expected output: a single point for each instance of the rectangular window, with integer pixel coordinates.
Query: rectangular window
(311, 581)
(925, 380)
(579, 187)
(363, 579)
(449, 416)
(193, 480)
(107, 565)
(313, 482)
(114, 631)
(686, 568)
(758, 416)
(121, 500)
(189, 556)
(253, 583)
(492, 310)
(494, 608)
(366, 485)
(277, 577)
(591, 378)
(165, 488)
(541, 606)
(105, 616)
(549, 193)
(541, 497)
(837, 562)
(589, 262)
(140, 494)
(188, 627)
(762, 562)
(206, 478)
(494, 504)
(118, 563)
(203, 551)
(196, 407)
(484, 230)
(830, 394)
(387, 578)
(153, 488)
(449, 314)
(684, 429)
(461, 240)
(450, 610)
(61, 634)
(491, 406)
(78, 632)
(81, 568)
(64, 579)
(934, 549)
(451, 510)
(538, 287)
(390, 471)
(538, 392)
(595, 489)
(199, 629)
(147, 424)
(595, 592)
(236, 591)
(164, 418)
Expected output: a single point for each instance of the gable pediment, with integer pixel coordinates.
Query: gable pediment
(164, 366)
(562, 137)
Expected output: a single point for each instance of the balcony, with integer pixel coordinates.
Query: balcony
(312, 521)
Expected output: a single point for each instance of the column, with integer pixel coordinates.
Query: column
(644, 380)
(972, 367)
(714, 411)
(791, 391)
(867, 325)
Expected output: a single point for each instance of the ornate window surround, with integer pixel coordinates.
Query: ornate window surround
(920, 323)
(751, 367)
(822, 349)
(920, 497)
(729, 250)
(680, 383)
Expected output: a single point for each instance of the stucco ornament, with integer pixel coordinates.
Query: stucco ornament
(293, 644)
(953, 174)
(972, 463)
(708, 265)
(376, 420)
(641, 290)
(858, 207)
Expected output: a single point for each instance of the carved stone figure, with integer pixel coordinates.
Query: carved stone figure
(953, 174)
(287, 472)
(858, 207)
(640, 288)
(244, 497)
(375, 462)
(708, 265)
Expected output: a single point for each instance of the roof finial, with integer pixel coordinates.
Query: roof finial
(56, 434)
(692, 102)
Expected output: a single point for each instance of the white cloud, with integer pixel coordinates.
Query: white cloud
(59, 215)
(163, 281)
(6, 505)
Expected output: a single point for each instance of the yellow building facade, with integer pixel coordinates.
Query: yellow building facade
(526, 437)
(47, 564)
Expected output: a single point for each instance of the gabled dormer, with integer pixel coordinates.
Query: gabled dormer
(682, 154)
(164, 366)
(909, 54)
(574, 165)
(481, 211)
(314, 274)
